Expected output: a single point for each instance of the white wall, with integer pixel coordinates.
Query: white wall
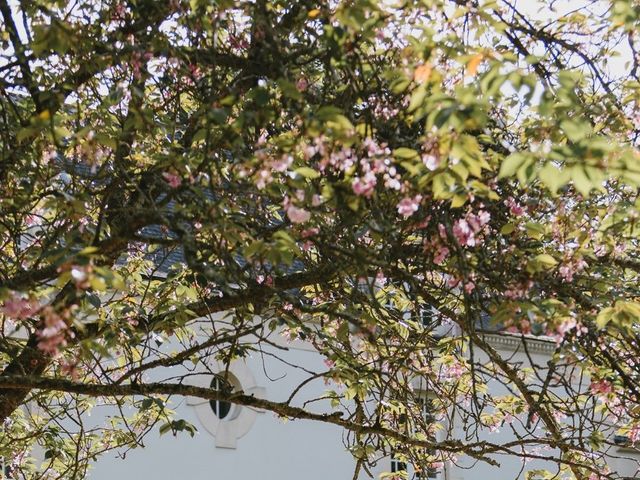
(273, 449)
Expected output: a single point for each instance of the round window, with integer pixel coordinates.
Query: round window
(226, 421)
(220, 407)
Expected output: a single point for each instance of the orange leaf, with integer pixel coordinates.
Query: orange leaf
(474, 63)
(422, 73)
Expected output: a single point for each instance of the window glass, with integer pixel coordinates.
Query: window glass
(220, 407)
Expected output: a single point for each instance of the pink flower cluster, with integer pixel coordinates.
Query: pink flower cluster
(54, 334)
(139, 61)
(278, 164)
(518, 290)
(381, 109)
(515, 208)
(408, 205)
(568, 269)
(172, 179)
(365, 185)
(466, 230)
(431, 161)
(565, 327)
(601, 387)
(18, 308)
(376, 161)
(295, 214)
(441, 255)
(452, 371)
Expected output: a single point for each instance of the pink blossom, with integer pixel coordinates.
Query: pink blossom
(48, 155)
(600, 387)
(309, 232)
(172, 179)
(264, 178)
(70, 369)
(441, 255)
(599, 250)
(463, 233)
(465, 229)
(469, 287)
(566, 273)
(381, 280)
(195, 71)
(54, 334)
(392, 183)
(514, 207)
(566, 325)
(18, 308)
(309, 151)
(442, 231)
(282, 164)
(519, 290)
(453, 282)
(302, 84)
(431, 161)
(298, 215)
(570, 268)
(454, 371)
(262, 280)
(479, 220)
(364, 186)
(408, 206)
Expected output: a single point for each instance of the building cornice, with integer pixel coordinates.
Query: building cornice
(512, 342)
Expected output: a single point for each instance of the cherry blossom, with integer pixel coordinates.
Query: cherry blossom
(54, 334)
(601, 387)
(302, 84)
(18, 308)
(408, 206)
(430, 161)
(298, 215)
(172, 179)
(364, 185)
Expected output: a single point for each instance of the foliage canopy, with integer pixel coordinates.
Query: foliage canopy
(329, 172)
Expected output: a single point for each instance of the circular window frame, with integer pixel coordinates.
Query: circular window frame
(240, 419)
(233, 386)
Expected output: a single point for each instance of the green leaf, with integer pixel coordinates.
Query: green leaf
(417, 98)
(553, 177)
(405, 153)
(253, 248)
(507, 228)
(458, 201)
(604, 317)
(307, 172)
(534, 230)
(200, 135)
(581, 180)
(575, 129)
(289, 89)
(546, 260)
(511, 164)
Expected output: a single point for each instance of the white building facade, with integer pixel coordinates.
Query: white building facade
(243, 443)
